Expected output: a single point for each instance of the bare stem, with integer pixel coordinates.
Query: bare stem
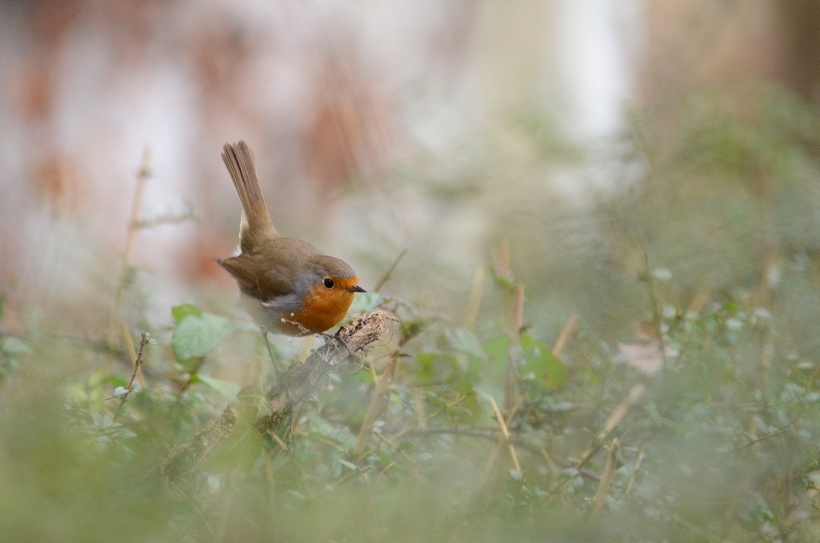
(612, 422)
(511, 391)
(386, 276)
(143, 174)
(505, 432)
(293, 387)
(606, 480)
(566, 334)
(137, 363)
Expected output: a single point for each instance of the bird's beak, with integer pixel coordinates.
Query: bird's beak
(356, 288)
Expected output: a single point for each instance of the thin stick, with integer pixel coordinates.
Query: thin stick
(278, 440)
(137, 363)
(511, 388)
(143, 174)
(501, 261)
(276, 369)
(401, 452)
(565, 335)
(506, 433)
(641, 456)
(606, 480)
(132, 353)
(615, 418)
(387, 274)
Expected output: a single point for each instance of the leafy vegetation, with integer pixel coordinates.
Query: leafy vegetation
(701, 426)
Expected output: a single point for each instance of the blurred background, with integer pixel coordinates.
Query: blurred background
(651, 166)
(582, 134)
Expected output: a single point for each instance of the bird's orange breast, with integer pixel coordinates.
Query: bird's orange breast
(323, 309)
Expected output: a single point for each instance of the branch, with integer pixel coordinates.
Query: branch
(293, 387)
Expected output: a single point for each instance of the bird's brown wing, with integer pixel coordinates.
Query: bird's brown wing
(262, 281)
(274, 268)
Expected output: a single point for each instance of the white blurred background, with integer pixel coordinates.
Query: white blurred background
(377, 126)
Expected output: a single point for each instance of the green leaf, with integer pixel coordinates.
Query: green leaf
(541, 366)
(120, 391)
(240, 449)
(497, 349)
(229, 390)
(245, 413)
(254, 396)
(195, 336)
(181, 311)
(13, 346)
(465, 341)
(437, 366)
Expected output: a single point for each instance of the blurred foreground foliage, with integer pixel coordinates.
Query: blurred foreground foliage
(702, 426)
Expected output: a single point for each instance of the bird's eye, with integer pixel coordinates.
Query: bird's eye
(328, 282)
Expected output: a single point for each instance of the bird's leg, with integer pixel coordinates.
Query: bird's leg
(276, 368)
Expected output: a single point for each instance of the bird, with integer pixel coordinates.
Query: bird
(287, 286)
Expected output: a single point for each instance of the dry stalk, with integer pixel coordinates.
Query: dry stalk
(132, 353)
(511, 391)
(606, 480)
(143, 174)
(137, 364)
(389, 273)
(615, 418)
(506, 434)
(566, 334)
(635, 468)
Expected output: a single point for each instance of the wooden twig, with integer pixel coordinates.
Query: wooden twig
(511, 391)
(566, 334)
(132, 353)
(387, 274)
(137, 363)
(612, 422)
(506, 434)
(635, 468)
(143, 174)
(606, 480)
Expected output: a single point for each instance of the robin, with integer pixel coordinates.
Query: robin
(287, 286)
